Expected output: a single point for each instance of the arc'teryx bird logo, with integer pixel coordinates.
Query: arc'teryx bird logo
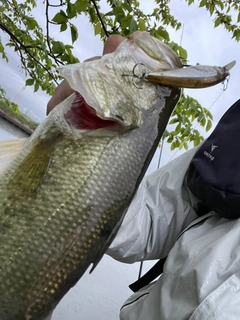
(209, 154)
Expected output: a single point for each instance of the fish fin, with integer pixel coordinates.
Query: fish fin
(30, 172)
(8, 151)
(107, 243)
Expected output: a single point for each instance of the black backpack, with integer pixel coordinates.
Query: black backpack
(214, 172)
(213, 177)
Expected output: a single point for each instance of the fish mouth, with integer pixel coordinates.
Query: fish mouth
(83, 117)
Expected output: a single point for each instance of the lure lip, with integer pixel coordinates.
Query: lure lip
(230, 65)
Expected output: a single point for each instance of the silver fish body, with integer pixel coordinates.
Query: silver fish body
(63, 197)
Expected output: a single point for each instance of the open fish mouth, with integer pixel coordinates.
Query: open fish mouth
(84, 117)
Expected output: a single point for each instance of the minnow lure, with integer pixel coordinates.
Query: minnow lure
(192, 77)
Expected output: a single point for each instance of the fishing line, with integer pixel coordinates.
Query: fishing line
(158, 166)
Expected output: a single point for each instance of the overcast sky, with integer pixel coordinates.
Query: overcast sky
(205, 45)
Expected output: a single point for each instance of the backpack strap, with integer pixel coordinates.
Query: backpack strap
(148, 277)
(157, 269)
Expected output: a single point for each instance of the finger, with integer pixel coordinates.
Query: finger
(61, 93)
(112, 43)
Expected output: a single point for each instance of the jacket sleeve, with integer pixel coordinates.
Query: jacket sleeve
(162, 207)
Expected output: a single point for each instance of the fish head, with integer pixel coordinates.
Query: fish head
(114, 86)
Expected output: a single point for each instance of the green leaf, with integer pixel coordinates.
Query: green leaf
(187, 131)
(81, 5)
(126, 6)
(174, 120)
(209, 125)
(29, 82)
(177, 143)
(185, 145)
(32, 23)
(202, 3)
(118, 11)
(173, 146)
(63, 27)
(238, 19)
(203, 121)
(236, 34)
(74, 33)
(217, 22)
(4, 56)
(110, 13)
(4, 103)
(2, 92)
(58, 47)
(125, 22)
(36, 86)
(60, 17)
(221, 5)
(178, 128)
(71, 10)
(163, 33)
(93, 16)
(30, 64)
(182, 53)
(211, 9)
(141, 24)
(97, 28)
(197, 139)
(133, 25)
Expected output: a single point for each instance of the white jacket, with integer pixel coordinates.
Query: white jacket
(201, 277)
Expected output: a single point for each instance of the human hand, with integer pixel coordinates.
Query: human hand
(64, 90)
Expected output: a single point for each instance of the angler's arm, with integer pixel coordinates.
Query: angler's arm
(161, 209)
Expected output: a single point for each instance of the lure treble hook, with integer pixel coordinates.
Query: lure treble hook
(136, 76)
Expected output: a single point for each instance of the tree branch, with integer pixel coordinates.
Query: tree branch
(20, 46)
(47, 26)
(100, 18)
(57, 5)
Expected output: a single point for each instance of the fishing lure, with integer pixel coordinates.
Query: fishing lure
(192, 77)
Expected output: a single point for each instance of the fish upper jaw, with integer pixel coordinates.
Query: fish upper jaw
(153, 52)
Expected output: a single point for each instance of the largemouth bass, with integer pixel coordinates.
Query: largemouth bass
(65, 193)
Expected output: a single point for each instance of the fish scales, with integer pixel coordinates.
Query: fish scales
(41, 248)
(64, 196)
